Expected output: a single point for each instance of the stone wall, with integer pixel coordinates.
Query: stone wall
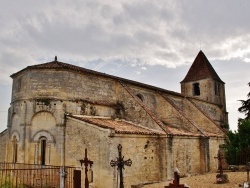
(207, 91)
(186, 155)
(144, 151)
(62, 85)
(214, 144)
(42, 124)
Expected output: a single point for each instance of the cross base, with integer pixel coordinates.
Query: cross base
(221, 178)
(176, 182)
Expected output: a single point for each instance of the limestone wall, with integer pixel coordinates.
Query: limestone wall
(207, 91)
(145, 153)
(171, 111)
(215, 112)
(61, 84)
(197, 117)
(214, 144)
(186, 155)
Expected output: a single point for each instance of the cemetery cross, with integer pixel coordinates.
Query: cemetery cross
(86, 162)
(120, 162)
(221, 178)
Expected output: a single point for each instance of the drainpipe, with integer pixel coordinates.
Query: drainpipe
(63, 141)
(63, 173)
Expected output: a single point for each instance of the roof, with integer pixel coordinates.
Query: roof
(119, 126)
(125, 127)
(65, 66)
(201, 69)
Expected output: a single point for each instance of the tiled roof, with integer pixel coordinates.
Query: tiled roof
(124, 127)
(65, 66)
(119, 126)
(201, 69)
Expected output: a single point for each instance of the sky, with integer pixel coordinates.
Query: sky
(153, 42)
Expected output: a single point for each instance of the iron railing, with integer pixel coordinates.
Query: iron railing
(17, 175)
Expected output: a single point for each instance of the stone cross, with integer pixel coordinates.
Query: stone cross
(220, 178)
(120, 164)
(219, 157)
(86, 163)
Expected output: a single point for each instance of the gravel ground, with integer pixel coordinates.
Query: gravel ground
(207, 181)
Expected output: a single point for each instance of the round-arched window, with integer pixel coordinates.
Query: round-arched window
(140, 96)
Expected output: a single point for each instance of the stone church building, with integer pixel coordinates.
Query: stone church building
(57, 110)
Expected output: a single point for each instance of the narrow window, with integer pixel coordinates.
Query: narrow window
(217, 88)
(196, 88)
(43, 151)
(14, 149)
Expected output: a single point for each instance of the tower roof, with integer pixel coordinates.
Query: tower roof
(201, 69)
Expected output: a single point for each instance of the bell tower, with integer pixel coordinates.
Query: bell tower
(202, 82)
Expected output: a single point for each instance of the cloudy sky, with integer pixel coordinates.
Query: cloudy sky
(153, 42)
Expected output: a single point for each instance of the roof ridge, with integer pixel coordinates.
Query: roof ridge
(118, 126)
(197, 107)
(177, 108)
(149, 112)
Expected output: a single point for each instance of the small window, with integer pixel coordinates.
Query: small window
(196, 89)
(217, 88)
(140, 96)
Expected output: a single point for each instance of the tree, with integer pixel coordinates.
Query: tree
(245, 108)
(238, 143)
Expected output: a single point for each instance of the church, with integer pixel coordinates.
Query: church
(58, 110)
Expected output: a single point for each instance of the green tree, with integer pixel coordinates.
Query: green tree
(245, 108)
(238, 143)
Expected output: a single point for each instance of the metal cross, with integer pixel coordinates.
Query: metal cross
(86, 162)
(120, 164)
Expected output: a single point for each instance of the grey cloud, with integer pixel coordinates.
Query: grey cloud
(143, 29)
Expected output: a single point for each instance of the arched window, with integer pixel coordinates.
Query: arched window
(140, 96)
(43, 146)
(14, 149)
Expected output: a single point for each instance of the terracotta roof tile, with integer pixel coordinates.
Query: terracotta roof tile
(120, 126)
(201, 69)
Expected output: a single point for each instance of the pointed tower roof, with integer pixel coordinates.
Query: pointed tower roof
(201, 69)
